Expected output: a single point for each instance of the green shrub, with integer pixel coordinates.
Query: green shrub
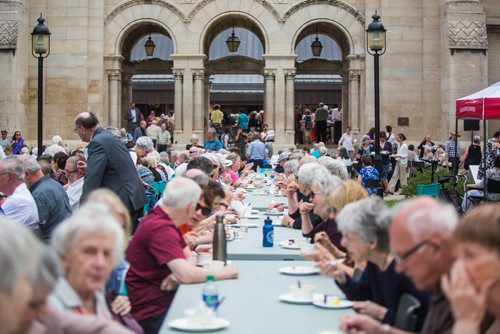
(425, 178)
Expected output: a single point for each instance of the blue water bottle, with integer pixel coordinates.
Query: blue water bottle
(210, 295)
(268, 230)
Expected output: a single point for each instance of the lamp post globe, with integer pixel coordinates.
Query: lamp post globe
(376, 35)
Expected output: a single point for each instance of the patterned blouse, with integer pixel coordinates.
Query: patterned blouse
(369, 173)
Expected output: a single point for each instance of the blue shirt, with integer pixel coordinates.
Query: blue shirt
(369, 173)
(256, 150)
(213, 145)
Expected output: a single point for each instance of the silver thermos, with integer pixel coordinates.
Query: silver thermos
(219, 250)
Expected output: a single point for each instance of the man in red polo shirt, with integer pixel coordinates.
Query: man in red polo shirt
(158, 250)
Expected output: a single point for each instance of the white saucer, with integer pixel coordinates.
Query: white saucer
(271, 213)
(249, 225)
(299, 270)
(288, 298)
(256, 212)
(252, 216)
(320, 302)
(286, 245)
(182, 324)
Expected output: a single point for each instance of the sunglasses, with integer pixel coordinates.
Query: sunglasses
(204, 210)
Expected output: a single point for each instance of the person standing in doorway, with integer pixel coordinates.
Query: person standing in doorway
(133, 117)
(320, 118)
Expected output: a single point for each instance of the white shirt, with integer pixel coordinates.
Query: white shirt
(21, 207)
(74, 191)
(391, 138)
(181, 169)
(403, 154)
(336, 115)
(53, 149)
(2, 153)
(346, 141)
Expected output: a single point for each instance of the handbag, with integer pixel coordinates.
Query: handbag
(126, 320)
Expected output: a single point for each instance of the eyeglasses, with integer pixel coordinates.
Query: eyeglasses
(204, 210)
(402, 257)
(70, 172)
(18, 134)
(4, 173)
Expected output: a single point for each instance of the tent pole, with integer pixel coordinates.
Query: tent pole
(456, 160)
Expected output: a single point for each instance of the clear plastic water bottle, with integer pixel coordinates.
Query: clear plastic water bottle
(258, 169)
(268, 233)
(210, 295)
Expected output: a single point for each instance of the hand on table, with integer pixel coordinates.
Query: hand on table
(358, 323)
(374, 310)
(229, 272)
(121, 305)
(466, 302)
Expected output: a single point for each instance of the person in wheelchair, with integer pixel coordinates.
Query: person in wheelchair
(477, 189)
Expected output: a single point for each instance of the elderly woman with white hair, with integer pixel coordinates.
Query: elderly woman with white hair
(143, 146)
(335, 167)
(364, 225)
(194, 140)
(89, 245)
(18, 260)
(323, 184)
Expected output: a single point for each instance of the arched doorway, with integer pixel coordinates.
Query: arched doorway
(323, 77)
(234, 79)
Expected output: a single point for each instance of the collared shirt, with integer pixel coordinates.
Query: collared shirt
(256, 150)
(164, 138)
(134, 114)
(449, 147)
(21, 207)
(439, 318)
(52, 203)
(74, 191)
(337, 115)
(65, 298)
(216, 116)
(213, 145)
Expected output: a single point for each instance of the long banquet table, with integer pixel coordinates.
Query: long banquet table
(252, 304)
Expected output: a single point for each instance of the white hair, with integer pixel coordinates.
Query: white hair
(370, 218)
(326, 181)
(194, 136)
(29, 163)
(307, 172)
(14, 166)
(89, 220)
(212, 157)
(292, 167)
(335, 167)
(18, 254)
(56, 140)
(436, 219)
(145, 142)
(322, 150)
(181, 192)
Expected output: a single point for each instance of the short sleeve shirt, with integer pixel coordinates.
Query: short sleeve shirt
(156, 242)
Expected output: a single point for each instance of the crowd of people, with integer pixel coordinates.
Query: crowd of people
(88, 246)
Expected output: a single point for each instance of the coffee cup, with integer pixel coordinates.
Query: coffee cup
(302, 291)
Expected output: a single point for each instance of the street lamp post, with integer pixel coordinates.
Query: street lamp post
(376, 42)
(40, 48)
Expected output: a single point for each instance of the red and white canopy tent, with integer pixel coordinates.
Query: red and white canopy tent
(482, 105)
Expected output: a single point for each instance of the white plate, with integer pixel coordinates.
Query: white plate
(249, 225)
(288, 298)
(271, 213)
(288, 246)
(256, 212)
(320, 302)
(252, 216)
(299, 270)
(182, 324)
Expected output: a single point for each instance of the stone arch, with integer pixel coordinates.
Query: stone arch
(133, 14)
(205, 3)
(349, 26)
(336, 3)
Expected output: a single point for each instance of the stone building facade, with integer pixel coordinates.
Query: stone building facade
(437, 51)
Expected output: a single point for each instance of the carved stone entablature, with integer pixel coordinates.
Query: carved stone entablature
(232, 64)
(354, 75)
(468, 35)
(8, 34)
(318, 66)
(290, 74)
(114, 74)
(269, 74)
(178, 74)
(199, 74)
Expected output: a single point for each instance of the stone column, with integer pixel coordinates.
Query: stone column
(179, 115)
(115, 98)
(269, 77)
(199, 113)
(353, 116)
(289, 101)
(206, 100)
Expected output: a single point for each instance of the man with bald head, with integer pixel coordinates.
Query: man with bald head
(420, 235)
(109, 165)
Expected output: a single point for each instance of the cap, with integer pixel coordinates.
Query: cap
(455, 134)
(283, 156)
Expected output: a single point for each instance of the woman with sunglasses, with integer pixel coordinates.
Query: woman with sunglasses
(17, 143)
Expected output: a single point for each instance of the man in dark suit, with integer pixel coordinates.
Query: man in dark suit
(133, 117)
(109, 165)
